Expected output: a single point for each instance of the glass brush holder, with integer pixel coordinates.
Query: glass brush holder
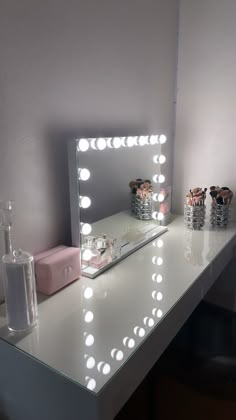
(194, 216)
(220, 215)
(20, 291)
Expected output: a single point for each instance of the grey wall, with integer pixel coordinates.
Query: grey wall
(205, 146)
(76, 66)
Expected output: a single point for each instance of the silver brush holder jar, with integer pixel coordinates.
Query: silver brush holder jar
(194, 216)
(220, 215)
(142, 207)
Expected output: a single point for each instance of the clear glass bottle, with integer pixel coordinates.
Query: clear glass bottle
(20, 291)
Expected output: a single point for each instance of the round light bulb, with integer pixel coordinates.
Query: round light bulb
(129, 342)
(158, 243)
(101, 143)
(116, 142)
(90, 363)
(155, 215)
(157, 260)
(153, 139)
(161, 197)
(106, 369)
(161, 179)
(88, 317)
(87, 255)
(157, 278)
(162, 138)
(88, 293)
(142, 140)
(159, 296)
(149, 322)
(84, 174)
(86, 228)
(85, 202)
(83, 145)
(139, 331)
(117, 354)
(162, 159)
(157, 313)
(130, 141)
(160, 216)
(89, 340)
(91, 385)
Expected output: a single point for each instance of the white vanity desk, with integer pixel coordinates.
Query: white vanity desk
(44, 375)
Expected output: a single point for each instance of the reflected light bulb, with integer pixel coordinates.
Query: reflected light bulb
(86, 228)
(129, 342)
(155, 178)
(83, 145)
(91, 384)
(88, 293)
(157, 312)
(101, 143)
(157, 278)
(161, 179)
(116, 142)
(156, 159)
(87, 255)
(117, 354)
(130, 141)
(155, 215)
(88, 317)
(104, 368)
(155, 197)
(161, 197)
(162, 159)
(90, 363)
(148, 321)
(153, 139)
(142, 140)
(162, 138)
(139, 331)
(158, 243)
(85, 202)
(89, 340)
(160, 216)
(157, 260)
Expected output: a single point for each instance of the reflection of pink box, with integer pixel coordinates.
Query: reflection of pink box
(55, 271)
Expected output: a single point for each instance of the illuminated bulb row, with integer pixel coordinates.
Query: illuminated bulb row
(116, 142)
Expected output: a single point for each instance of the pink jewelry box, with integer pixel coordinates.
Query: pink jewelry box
(56, 269)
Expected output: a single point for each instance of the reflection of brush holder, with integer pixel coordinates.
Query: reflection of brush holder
(220, 215)
(194, 216)
(142, 207)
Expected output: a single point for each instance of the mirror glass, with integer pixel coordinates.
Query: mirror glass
(115, 191)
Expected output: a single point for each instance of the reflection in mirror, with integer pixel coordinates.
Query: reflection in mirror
(116, 190)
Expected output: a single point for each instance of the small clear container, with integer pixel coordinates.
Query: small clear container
(20, 291)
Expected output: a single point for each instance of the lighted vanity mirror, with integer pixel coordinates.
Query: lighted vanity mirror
(115, 196)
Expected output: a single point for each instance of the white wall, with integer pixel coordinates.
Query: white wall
(205, 145)
(76, 66)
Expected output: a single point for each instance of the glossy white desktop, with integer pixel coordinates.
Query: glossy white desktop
(97, 339)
